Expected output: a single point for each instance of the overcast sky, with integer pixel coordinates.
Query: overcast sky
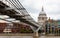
(51, 7)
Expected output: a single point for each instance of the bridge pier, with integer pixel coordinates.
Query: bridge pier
(35, 35)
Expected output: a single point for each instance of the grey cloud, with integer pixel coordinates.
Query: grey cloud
(53, 12)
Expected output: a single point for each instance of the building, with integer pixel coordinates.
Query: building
(42, 18)
(52, 27)
(8, 27)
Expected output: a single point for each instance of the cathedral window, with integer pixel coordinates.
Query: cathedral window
(42, 18)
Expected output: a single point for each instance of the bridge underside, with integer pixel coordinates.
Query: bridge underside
(14, 14)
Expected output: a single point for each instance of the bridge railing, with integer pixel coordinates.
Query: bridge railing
(4, 1)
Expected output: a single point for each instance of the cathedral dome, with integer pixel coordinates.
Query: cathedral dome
(42, 17)
(42, 13)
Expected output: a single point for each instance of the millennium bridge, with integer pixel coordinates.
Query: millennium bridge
(14, 9)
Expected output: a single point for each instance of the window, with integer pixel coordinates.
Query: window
(42, 18)
(8, 28)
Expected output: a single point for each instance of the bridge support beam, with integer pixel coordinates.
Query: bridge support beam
(35, 35)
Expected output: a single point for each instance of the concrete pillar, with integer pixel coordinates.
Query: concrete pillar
(35, 35)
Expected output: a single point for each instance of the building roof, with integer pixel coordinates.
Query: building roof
(42, 13)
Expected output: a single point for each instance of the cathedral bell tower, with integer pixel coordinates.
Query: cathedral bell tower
(42, 17)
